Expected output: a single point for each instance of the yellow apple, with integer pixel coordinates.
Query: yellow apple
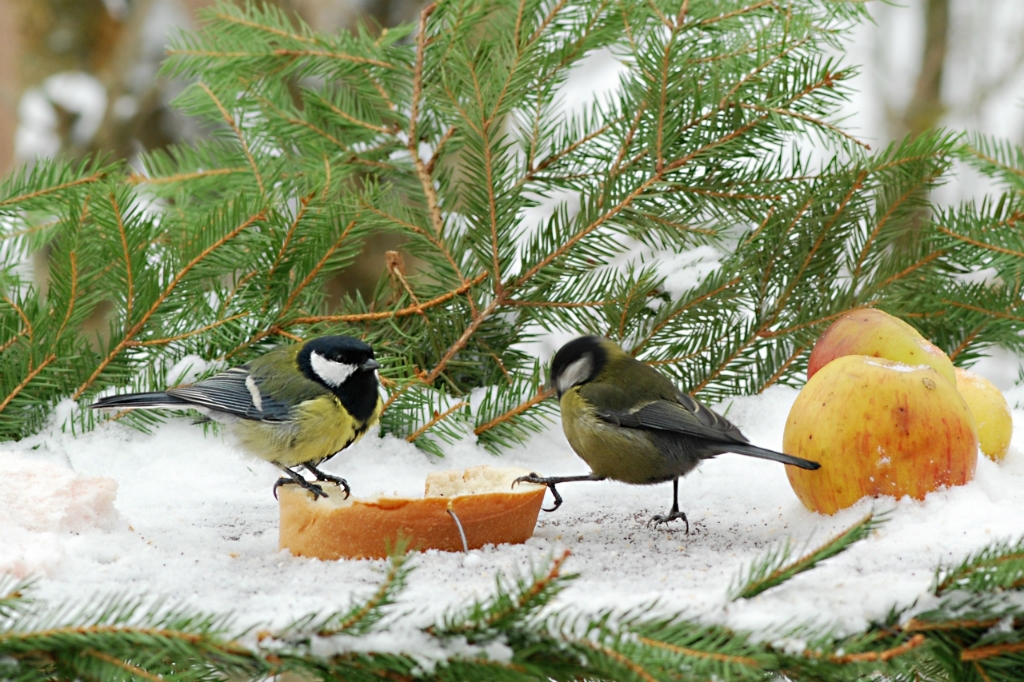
(867, 331)
(991, 413)
(878, 427)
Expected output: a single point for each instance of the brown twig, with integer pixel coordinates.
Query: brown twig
(695, 653)
(95, 177)
(371, 604)
(541, 395)
(353, 120)
(138, 179)
(262, 27)
(782, 370)
(810, 119)
(536, 588)
(426, 181)
(637, 669)
(25, 382)
(437, 149)
(738, 12)
(124, 665)
(991, 651)
(873, 656)
(316, 268)
(915, 625)
(130, 295)
(437, 419)
(690, 304)
(184, 335)
(205, 640)
(24, 318)
(881, 223)
(979, 244)
(401, 312)
(230, 120)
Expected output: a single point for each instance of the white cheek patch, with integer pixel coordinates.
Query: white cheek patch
(575, 374)
(254, 391)
(332, 373)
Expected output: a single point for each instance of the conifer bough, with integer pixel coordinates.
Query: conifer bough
(969, 627)
(451, 132)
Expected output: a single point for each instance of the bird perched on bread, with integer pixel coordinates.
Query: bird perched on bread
(297, 405)
(630, 423)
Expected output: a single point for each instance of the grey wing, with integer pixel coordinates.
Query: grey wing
(687, 417)
(234, 393)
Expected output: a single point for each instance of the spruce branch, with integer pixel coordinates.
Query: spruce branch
(999, 566)
(448, 131)
(108, 639)
(778, 565)
(511, 606)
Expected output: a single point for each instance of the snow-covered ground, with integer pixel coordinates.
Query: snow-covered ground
(194, 520)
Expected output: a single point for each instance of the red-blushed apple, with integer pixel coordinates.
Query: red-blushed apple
(991, 413)
(878, 427)
(867, 331)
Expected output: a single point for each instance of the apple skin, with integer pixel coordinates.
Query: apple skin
(990, 411)
(878, 427)
(867, 331)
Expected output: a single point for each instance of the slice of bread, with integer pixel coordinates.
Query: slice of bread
(482, 498)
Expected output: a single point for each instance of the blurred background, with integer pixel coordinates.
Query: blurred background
(80, 77)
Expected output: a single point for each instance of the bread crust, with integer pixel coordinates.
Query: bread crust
(489, 509)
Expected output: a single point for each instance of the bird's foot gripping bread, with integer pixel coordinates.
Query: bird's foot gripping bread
(460, 509)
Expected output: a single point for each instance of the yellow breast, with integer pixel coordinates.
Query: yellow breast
(613, 452)
(321, 429)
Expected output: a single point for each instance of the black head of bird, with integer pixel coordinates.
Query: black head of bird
(294, 406)
(630, 423)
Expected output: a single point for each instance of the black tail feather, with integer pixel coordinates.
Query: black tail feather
(140, 400)
(762, 453)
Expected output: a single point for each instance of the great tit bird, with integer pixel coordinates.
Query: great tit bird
(295, 406)
(630, 423)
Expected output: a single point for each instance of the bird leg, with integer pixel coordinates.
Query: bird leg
(551, 481)
(294, 477)
(674, 513)
(321, 476)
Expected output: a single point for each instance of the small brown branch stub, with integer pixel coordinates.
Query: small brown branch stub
(539, 397)
(437, 419)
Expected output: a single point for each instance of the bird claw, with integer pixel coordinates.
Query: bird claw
(336, 480)
(311, 487)
(540, 480)
(659, 519)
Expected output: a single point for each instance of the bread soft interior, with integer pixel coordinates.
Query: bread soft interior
(476, 480)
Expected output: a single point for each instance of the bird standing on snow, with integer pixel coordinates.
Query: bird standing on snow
(630, 423)
(294, 406)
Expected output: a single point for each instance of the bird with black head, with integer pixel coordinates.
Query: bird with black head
(294, 406)
(630, 423)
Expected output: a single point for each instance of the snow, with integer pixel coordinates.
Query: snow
(194, 520)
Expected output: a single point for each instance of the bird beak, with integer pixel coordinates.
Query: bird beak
(370, 364)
